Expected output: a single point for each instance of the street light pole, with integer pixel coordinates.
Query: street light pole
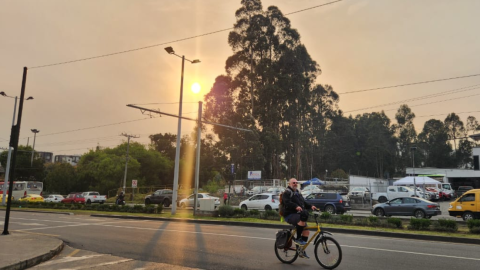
(179, 131)
(197, 163)
(14, 135)
(35, 131)
(413, 165)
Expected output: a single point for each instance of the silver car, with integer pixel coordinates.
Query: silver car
(407, 206)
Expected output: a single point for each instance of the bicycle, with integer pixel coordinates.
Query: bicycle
(327, 250)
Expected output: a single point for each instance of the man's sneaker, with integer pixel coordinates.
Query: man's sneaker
(300, 242)
(303, 255)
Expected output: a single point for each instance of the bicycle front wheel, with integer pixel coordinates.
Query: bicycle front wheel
(288, 255)
(328, 252)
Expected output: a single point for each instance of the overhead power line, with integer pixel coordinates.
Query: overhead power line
(408, 84)
(165, 43)
(449, 92)
(437, 101)
(446, 114)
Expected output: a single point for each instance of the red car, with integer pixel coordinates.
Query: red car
(74, 198)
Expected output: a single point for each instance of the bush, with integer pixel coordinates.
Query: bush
(373, 219)
(445, 225)
(149, 209)
(346, 218)
(474, 225)
(271, 214)
(138, 208)
(419, 224)
(395, 222)
(225, 211)
(254, 212)
(125, 208)
(325, 215)
(239, 212)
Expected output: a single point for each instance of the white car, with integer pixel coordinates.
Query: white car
(256, 190)
(54, 198)
(310, 189)
(188, 202)
(264, 201)
(275, 190)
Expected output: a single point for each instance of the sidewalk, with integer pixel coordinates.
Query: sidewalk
(23, 250)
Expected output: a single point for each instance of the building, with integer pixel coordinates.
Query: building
(456, 177)
(72, 159)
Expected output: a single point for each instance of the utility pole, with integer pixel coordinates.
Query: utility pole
(126, 159)
(35, 131)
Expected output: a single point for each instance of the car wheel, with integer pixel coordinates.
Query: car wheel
(89, 202)
(166, 203)
(419, 214)
(379, 212)
(268, 208)
(467, 216)
(244, 207)
(330, 209)
(182, 205)
(147, 201)
(382, 199)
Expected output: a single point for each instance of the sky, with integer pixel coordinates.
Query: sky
(359, 44)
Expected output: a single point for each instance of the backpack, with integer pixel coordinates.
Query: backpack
(281, 206)
(283, 239)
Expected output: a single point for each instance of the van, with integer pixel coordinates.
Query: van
(466, 206)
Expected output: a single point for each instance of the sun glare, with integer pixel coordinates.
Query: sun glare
(196, 88)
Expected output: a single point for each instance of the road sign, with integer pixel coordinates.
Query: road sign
(134, 183)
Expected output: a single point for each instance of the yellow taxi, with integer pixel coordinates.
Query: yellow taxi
(6, 198)
(467, 206)
(32, 198)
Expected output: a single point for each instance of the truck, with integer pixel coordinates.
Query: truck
(393, 192)
(94, 197)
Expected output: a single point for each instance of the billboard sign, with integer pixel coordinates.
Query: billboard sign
(254, 175)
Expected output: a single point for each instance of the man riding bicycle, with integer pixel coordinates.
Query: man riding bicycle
(296, 212)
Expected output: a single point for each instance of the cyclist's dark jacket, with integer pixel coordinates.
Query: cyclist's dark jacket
(291, 202)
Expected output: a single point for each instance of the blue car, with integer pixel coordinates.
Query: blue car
(332, 203)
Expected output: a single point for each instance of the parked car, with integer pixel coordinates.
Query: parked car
(467, 206)
(32, 198)
(74, 198)
(54, 198)
(257, 190)
(264, 201)
(333, 203)
(359, 193)
(310, 189)
(462, 189)
(6, 198)
(275, 190)
(189, 201)
(407, 206)
(161, 196)
(94, 197)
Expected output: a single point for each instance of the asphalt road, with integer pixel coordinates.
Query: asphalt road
(136, 244)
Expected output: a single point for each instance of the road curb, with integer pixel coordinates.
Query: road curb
(332, 230)
(36, 260)
(48, 212)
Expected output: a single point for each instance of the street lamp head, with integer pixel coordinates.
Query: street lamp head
(35, 130)
(3, 94)
(169, 50)
(195, 61)
(29, 98)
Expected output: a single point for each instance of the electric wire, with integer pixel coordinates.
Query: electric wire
(165, 43)
(449, 92)
(445, 114)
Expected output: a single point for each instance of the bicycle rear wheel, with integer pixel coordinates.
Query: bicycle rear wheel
(286, 255)
(328, 252)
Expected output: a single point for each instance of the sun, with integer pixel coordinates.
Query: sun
(196, 88)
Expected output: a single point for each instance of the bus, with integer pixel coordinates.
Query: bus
(22, 188)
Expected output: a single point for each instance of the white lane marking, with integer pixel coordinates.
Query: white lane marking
(46, 228)
(101, 264)
(24, 224)
(416, 253)
(70, 259)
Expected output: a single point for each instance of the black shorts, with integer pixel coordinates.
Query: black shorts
(293, 219)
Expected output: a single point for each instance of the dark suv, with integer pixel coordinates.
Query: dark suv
(329, 202)
(161, 196)
(461, 190)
